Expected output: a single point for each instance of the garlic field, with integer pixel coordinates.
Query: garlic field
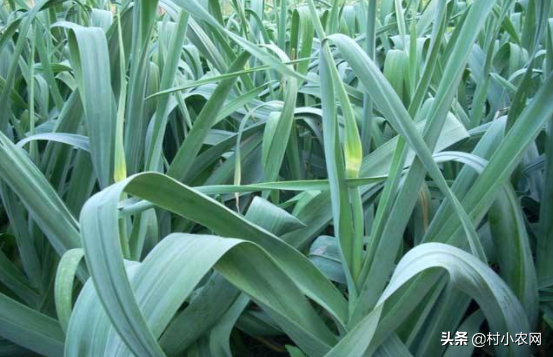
(276, 178)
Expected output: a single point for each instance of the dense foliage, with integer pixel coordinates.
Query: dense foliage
(280, 177)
